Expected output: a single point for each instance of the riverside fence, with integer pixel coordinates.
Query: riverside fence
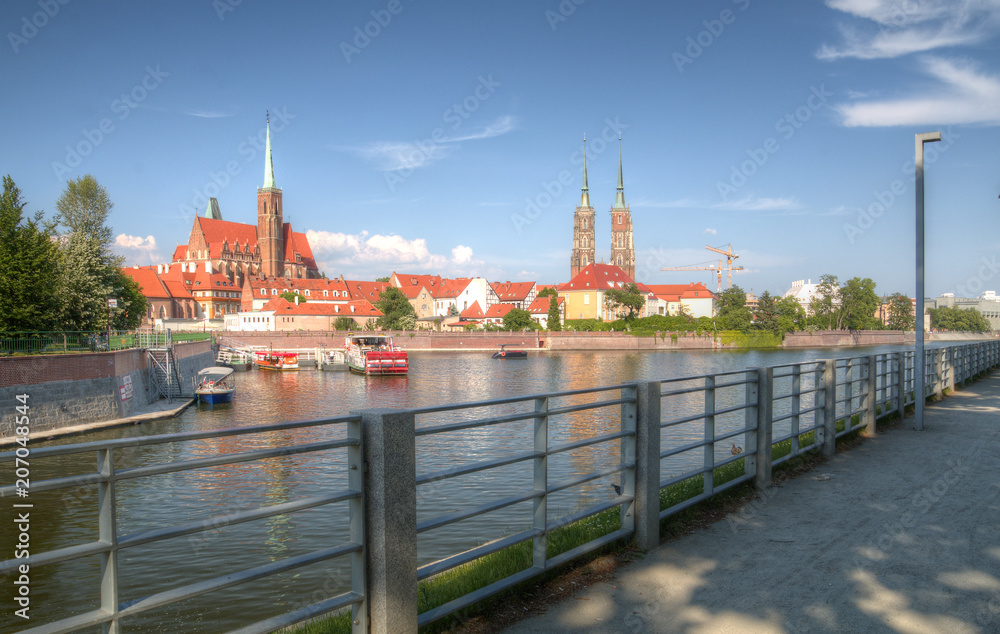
(675, 443)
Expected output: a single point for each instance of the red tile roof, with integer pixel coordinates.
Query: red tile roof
(675, 292)
(473, 312)
(410, 285)
(596, 276)
(541, 304)
(218, 231)
(358, 308)
(180, 253)
(512, 291)
(365, 290)
(150, 285)
(451, 288)
(497, 311)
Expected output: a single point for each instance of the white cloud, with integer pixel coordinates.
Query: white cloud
(893, 28)
(138, 250)
(392, 156)
(710, 231)
(964, 94)
(383, 253)
(747, 203)
(208, 114)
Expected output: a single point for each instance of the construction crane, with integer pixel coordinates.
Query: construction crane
(717, 269)
(730, 256)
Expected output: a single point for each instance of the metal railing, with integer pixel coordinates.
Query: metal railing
(31, 343)
(665, 445)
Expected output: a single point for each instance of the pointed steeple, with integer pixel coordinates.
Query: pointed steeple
(585, 193)
(620, 196)
(268, 166)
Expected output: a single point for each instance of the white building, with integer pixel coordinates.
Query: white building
(803, 291)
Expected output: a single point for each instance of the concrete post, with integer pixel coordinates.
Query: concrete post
(391, 519)
(901, 383)
(939, 374)
(647, 466)
(765, 393)
(750, 437)
(829, 429)
(948, 362)
(870, 402)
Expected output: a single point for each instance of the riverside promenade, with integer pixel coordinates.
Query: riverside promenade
(900, 534)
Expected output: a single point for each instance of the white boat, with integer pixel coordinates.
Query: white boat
(215, 385)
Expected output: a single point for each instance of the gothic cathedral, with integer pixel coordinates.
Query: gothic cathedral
(622, 247)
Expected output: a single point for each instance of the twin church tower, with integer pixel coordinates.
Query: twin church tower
(622, 249)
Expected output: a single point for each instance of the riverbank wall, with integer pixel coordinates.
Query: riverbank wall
(73, 389)
(566, 341)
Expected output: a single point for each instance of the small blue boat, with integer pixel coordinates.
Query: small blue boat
(215, 385)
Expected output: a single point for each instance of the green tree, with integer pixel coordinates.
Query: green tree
(382, 279)
(517, 319)
(553, 317)
(344, 323)
(900, 313)
(28, 265)
(290, 296)
(791, 316)
(958, 319)
(549, 291)
(88, 266)
(858, 304)
(628, 298)
(825, 305)
(394, 306)
(132, 304)
(766, 314)
(733, 312)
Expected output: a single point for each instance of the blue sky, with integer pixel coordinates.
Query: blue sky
(445, 137)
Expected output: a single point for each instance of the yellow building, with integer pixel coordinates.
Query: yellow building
(584, 294)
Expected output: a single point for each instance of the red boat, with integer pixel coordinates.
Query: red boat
(277, 360)
(375, 355)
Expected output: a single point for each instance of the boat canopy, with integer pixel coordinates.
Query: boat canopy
(216, 371)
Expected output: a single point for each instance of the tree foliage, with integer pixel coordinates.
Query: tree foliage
(132, 304)
(28, 265)
(826, 303)
(790, 315)
(733, 312)
(517, 319)
(344, 323)
(628, 300)
(290, 296)
(858, 304)
(394, 307)
(958, 319)
(549, 291)
(89, 268)
(900, 313)
(552, 319)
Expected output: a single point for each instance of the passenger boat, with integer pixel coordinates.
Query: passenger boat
(215, 385)
(277, 360)
(509, 354)
(374, 355)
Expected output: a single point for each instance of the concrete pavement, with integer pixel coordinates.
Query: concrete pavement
(901, 534)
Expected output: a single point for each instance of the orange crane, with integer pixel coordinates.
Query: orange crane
(718, 271)
(730, 256)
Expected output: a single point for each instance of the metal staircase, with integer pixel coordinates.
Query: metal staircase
(164, 377)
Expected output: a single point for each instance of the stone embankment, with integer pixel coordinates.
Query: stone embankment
(74, 389)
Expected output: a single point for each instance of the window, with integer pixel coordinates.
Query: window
(326, 293)
(307, 292)
(263, 291)
(586, 299)
(274, 291)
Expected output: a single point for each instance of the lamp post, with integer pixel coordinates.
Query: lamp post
(918, 357)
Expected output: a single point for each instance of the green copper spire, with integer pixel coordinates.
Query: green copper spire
(620, 196)
(585, 193)
(268, 166)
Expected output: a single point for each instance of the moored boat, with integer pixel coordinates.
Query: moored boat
(215, 385)
(509, 354)
(267, 360)
(375, 355)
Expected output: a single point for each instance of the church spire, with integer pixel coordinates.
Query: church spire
(620, 196)
(585, 192)
(268, 166)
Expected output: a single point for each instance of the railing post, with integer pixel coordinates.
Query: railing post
(108, 533)
(901, 383)
(708, 450)
(939, 374)
(948, 354)
(872, 385)
(750, 424)
(829, 429)
(389, 447)
(647, 466)
(356, 481)
(765, 393)
(540, 512)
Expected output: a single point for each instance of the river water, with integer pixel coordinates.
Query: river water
(436, 378)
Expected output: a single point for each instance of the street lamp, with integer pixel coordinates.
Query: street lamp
(918, 359)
